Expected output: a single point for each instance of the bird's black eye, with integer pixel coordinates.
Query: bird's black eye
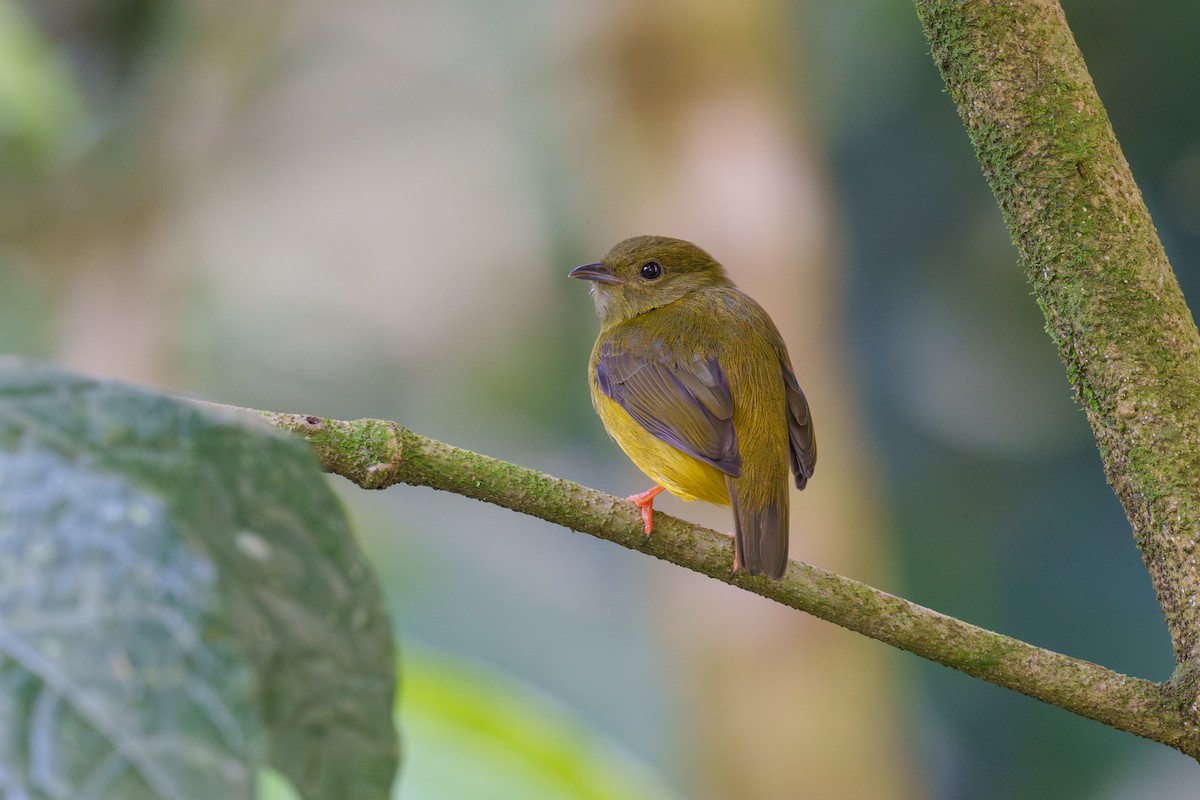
(651, 270)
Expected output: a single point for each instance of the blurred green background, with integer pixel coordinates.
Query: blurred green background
(369, 208)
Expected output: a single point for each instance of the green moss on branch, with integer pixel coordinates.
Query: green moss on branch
(376, 454)
(1098, 270)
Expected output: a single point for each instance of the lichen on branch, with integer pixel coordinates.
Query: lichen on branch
(376, 454)
(1098, 270)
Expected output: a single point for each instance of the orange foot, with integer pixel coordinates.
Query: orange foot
(736, 566)
(645, 501)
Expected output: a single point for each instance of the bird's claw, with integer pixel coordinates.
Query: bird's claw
(737, 567)
(645, 502)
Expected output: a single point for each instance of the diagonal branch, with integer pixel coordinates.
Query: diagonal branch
(376, 454)
(1097, 268)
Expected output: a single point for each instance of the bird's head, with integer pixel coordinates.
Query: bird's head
(647, 272)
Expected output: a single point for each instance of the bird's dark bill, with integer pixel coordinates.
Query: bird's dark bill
(594, 272)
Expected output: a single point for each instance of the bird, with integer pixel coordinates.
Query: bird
(692, 379)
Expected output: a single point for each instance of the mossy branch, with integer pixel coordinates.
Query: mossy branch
(376, 454)
(1098, 270)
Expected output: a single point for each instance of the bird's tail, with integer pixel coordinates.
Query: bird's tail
(760, 537)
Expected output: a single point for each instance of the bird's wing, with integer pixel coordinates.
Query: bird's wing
(685, 403)
(802, 438)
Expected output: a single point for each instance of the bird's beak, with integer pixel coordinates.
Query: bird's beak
(594, 272)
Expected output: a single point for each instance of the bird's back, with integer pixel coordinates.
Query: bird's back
(730, 327)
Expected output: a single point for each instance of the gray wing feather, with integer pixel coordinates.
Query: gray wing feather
(686, 404)
(802, 438)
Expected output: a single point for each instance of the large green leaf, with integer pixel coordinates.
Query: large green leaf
(181, 601)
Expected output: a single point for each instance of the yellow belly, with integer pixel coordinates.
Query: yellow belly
(681, 474)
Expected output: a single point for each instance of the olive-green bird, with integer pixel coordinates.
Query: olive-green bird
(692, 379)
